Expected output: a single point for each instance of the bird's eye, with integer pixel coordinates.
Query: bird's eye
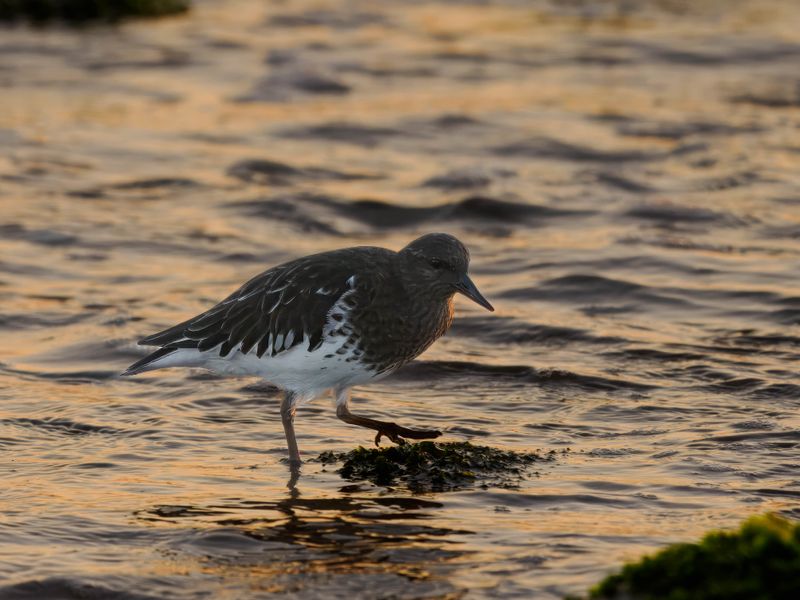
(436, 263)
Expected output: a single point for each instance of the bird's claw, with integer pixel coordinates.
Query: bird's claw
(391, 434)
(396, 434)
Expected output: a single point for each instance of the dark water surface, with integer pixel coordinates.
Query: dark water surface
(627, 176)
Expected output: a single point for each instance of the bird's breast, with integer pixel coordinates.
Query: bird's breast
(389, 339)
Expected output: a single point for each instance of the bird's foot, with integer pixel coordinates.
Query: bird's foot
(396, 433)
(295, 465)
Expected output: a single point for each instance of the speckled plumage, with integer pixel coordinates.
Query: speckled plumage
(326, 321)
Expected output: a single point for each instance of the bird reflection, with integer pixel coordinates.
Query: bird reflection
(292, 540)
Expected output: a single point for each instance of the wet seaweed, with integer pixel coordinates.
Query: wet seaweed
(430, 466)
(760, 561)
(75, 11)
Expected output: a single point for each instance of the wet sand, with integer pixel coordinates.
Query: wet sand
(626, 178)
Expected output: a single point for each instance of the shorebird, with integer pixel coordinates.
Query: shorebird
(332, 320)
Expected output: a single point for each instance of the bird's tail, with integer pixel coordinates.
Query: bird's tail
(152, 361)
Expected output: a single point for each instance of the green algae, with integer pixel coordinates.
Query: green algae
(760, 561)
(430, 466)
(76, 11)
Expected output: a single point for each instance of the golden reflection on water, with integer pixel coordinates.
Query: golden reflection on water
(660, 285)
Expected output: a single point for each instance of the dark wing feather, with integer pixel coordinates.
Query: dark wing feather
(273, 312)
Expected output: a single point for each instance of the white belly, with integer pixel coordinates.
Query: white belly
(305, 373)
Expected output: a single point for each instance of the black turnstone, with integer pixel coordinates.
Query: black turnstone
(327, 321)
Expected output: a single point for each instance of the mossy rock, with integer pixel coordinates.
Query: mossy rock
(76, 11)
(760, 561)
(430, 466)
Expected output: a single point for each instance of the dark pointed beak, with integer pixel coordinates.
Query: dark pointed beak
(466, 287)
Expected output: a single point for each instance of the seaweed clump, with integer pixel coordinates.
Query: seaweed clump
(760, 561)
(428, 466)
(75, 11)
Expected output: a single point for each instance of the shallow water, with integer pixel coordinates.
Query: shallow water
(625, 176)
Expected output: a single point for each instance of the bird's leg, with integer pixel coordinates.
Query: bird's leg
(393, 431)
(287, 416)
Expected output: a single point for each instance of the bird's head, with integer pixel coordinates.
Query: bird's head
(441, 262)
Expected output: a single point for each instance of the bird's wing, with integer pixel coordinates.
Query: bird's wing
(273, 312)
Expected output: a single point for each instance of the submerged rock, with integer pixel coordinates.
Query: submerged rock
(87, 10)
(436, 466)
(759, 561)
